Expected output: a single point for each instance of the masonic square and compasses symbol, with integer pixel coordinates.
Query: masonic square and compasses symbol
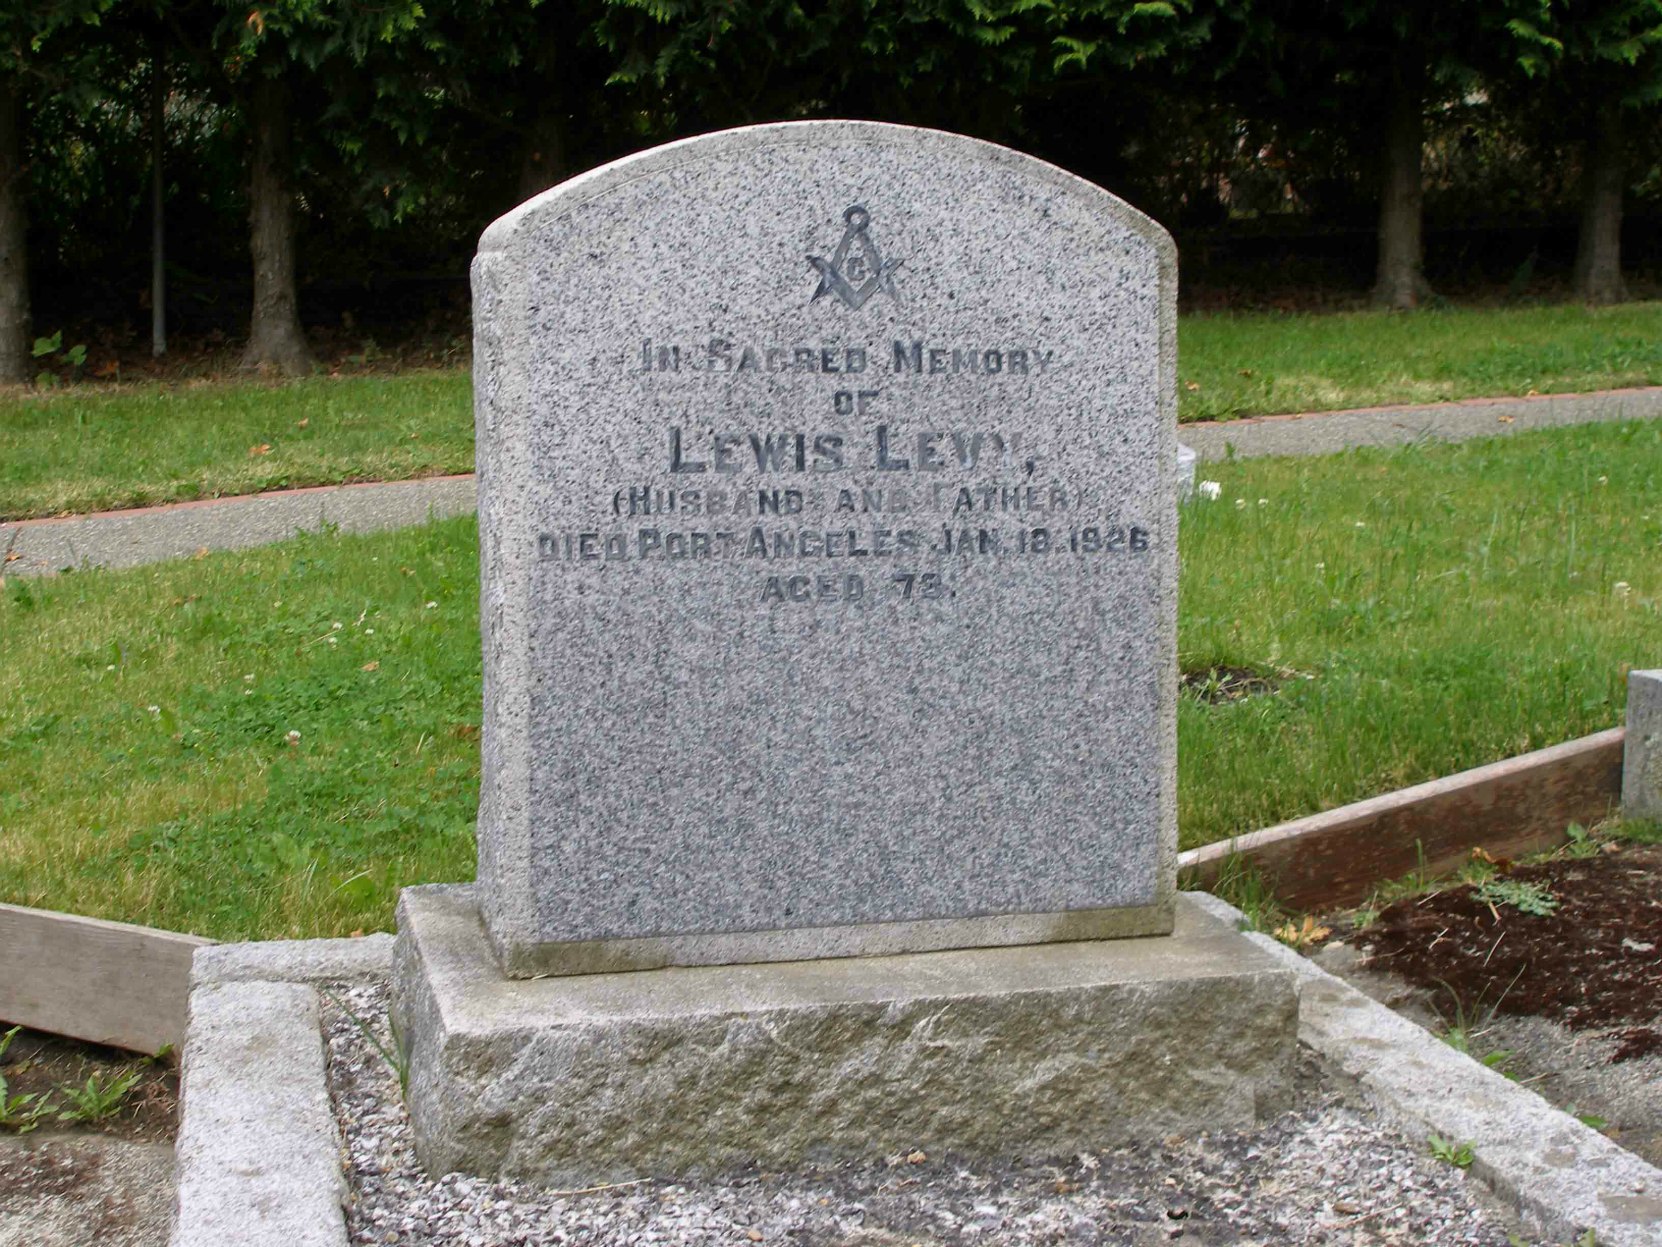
(857, 271)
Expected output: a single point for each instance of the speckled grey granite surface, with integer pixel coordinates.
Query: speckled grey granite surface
(579, 1079)
(1642, 750)
(827, 510)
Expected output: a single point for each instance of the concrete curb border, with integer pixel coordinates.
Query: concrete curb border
(259, 1157)
(261, 1165)
(259, 1154)
(1563, 1177)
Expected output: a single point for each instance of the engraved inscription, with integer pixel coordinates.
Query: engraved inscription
(761, 497)
(913, 356)
(888, 451)
(857, 270)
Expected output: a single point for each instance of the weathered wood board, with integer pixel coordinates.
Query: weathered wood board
(1509, 808)
(105, 982)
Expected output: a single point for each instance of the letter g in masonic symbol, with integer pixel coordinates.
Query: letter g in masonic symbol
(857, 271)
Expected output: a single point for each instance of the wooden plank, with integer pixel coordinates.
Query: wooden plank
(1509, 808)
(106, 982)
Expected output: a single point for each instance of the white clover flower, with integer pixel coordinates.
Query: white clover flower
(1240, 504)
(335, 627)
(154, 709)
(1263, 502)
(1210, 490)
(430, 606)
(1621, 588)
(1361, 524)
(1604, 480)
(293, 738)
(1321, 567)
(249, 678)
(369, 631)
(332, 640)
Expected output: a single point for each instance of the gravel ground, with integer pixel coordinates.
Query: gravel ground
(1323, 1173)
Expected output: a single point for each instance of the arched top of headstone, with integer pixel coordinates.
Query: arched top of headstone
(902, 148)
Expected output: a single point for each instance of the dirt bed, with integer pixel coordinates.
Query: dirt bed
(92, 1183)
(1559, 986)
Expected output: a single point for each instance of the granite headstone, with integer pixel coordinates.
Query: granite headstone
(827, 518)
(827, 486)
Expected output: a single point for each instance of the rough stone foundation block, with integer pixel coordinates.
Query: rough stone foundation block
(1642, 759)
(1034, 1050)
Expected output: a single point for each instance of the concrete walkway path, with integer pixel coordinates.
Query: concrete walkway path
(150, 534)
(1325, 433)
(147, 535)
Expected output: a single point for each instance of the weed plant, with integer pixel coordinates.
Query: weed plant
(20, 1113)
(97, 1098)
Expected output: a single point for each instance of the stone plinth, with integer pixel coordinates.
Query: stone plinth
(1032, 1050)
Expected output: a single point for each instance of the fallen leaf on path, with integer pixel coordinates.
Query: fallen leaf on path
(264, 448)
(1302, 936)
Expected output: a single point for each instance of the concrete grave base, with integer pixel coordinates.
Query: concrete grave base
(1043, 1049)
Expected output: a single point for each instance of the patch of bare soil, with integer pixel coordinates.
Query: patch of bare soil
(102, 1180)
(84, 1190)
(39, 1064)
(1566, 1002)
(1222, 682)
(1594, 962)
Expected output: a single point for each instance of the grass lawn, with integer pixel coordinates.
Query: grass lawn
(92, 448)
(1264, 363)
(270, 743)
(96, 448)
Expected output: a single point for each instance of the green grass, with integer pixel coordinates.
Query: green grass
(1263, 363)
(89, 448)
(1452, 605)
(144, 734)
(95, 448)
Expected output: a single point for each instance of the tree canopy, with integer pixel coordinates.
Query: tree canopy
(309, 144)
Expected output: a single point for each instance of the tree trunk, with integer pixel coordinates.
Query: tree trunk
(1598, 257)
(275, 341)
(14, 238)
(543, 161)
(158, 204)
(1400, 282)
